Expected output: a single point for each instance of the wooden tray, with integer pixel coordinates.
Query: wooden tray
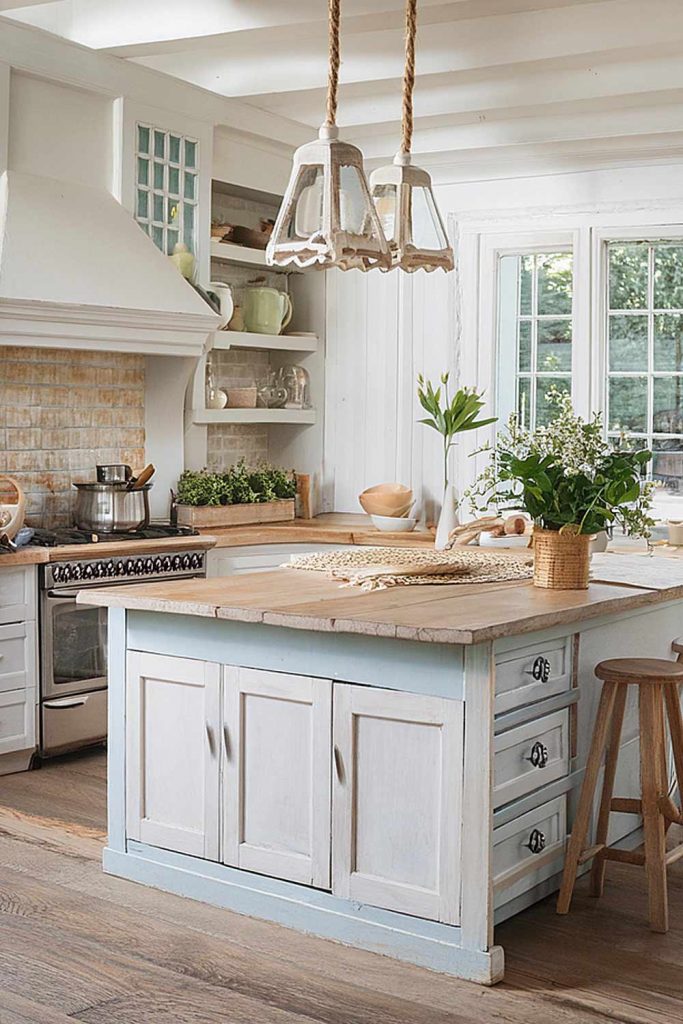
(209, 516)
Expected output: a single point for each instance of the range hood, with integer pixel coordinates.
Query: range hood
(76, 271)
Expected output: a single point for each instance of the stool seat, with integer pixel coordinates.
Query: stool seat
(640, 670)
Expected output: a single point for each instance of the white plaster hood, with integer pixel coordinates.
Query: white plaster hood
(76, 271)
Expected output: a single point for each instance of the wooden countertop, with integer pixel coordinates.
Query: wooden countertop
(102, 549)
(328, 528)
(454, 614)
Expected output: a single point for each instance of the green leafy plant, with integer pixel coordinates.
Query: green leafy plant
(450, 416)
(238, 485)
(565, 475)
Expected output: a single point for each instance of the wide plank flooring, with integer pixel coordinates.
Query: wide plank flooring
(77, 945)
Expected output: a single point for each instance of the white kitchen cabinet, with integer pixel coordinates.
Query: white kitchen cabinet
(396, 801)
(18, 667)
(276, 786)
(17, 720)
(173, 710)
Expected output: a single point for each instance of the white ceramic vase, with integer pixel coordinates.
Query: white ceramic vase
(448, 518)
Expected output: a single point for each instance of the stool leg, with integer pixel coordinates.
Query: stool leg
(673, 710)
(577, 840)
(598, 870)
(653, 820)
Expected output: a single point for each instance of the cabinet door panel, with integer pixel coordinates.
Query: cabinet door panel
(172, 753)
(276, 801)
(396, 800)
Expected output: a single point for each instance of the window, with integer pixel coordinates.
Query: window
(167, 186)
(644, 399)
(534, 333)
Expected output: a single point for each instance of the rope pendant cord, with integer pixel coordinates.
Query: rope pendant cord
(408, 77)
(333, 69)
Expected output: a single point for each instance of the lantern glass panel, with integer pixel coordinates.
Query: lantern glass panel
(385, 199)
(307, 211)
(427, 232)
(352, 200)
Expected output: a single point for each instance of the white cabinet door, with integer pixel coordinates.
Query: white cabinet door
(173, 718)
(396, 801)
(276, 799)
(17, 720)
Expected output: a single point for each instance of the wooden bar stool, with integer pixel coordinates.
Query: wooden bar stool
(657, 681)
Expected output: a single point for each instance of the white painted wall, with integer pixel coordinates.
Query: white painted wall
(382, 331)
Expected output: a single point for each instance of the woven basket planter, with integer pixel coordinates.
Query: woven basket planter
(561, 560)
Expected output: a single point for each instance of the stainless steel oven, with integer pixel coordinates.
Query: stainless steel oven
(73, 641)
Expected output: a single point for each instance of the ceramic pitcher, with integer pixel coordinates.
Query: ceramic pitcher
(266, 310)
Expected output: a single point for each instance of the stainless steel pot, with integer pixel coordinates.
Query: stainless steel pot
(111, 508)
(114, 473)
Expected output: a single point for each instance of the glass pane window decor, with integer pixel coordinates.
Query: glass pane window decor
(644, 390)
(166, 198)
(534, 334)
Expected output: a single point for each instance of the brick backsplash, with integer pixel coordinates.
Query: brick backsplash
(227, 443)
(61, 413)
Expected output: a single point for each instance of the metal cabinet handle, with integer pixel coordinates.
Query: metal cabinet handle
(539, 755)
(540, 670)
(226, 742)
(339, 764)
(536, 841)
(210, 739)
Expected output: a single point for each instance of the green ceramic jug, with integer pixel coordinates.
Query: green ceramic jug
(266, 310)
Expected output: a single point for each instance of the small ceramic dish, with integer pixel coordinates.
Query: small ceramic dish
(394, 523)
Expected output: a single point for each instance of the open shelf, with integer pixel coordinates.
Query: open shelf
(243, 256)
(293, 416)
(271, 342)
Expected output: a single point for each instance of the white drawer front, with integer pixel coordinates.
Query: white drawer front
(17, 656)
(17, 720)
(17, 593)
(530, 756)
(528, 674)
(528, 850)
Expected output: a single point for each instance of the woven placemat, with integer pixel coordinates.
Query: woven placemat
(379, 568)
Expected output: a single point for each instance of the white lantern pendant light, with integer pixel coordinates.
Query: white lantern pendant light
(327, 217)
(403, 193)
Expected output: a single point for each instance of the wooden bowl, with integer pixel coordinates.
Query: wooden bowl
(386, 500)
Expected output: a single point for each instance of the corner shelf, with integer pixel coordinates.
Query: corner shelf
(271, 342)
(243, 256)
(301, 417)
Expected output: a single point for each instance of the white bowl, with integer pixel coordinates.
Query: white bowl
(512, 540)
(393, 523)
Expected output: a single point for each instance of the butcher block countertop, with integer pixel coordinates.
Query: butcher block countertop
(453, 614)
(328, 528)
(102, 549)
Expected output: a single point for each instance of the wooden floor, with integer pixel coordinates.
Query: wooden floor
(76, 945)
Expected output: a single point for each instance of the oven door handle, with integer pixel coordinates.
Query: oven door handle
(55, 595)
(64, 703)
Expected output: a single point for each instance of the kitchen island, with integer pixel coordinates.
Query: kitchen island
(395, 770)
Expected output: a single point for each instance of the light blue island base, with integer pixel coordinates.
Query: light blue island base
(393, 795)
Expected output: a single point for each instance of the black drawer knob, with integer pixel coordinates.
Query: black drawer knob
(536, 841)
(540, 670)
(539, 755)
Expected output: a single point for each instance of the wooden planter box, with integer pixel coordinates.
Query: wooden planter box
(212, 516)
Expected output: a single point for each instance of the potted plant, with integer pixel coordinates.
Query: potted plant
(449, 417)
(573, 484)
(235, 497)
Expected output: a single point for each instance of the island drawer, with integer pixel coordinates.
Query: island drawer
(532, 672)
(529, 756)
(528, 849)
(17, 656)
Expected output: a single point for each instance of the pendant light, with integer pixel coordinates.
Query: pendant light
(327, 217)
(403, 193)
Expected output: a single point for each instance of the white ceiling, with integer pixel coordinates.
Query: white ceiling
(497, 79)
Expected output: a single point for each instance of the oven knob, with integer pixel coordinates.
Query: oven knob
(186, 561)
(120, 568)
(158, 564)
(76, 571)
(149, 566)
(139, 567)
(167, 563)
(88, 571)
(196, 561)
(177, 563)
(57, 573)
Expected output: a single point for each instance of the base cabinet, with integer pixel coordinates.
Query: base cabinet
(276, 786)
(172, 753)
(397, 797)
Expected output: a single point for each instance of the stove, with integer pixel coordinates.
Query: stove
(73, 637)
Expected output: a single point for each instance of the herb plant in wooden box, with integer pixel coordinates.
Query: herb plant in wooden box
(237, 497)
(573, 484)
